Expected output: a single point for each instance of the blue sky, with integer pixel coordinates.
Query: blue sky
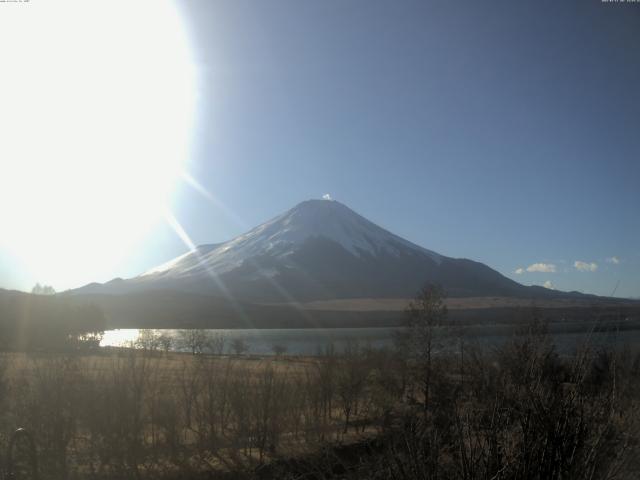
(505, 132)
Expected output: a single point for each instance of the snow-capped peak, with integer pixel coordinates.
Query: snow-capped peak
(280, 236)
(327, 219)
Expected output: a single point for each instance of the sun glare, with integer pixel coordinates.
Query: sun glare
(96, 106)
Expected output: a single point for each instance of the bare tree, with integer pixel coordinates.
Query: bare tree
(351, 381)
(148, 340)
(216, 343)
(424, 315)
(166, 341)
(278, 350)
(239, 346)
(194, 340)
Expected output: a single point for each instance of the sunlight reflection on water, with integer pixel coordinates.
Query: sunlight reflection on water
(119, 338)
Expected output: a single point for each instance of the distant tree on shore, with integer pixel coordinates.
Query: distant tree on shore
(216, 342)
(43, 290)
(278, 350)
(166, 341)
(148, 340)
(239, 346)
(194, 340)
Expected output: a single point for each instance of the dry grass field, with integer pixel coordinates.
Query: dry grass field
(131, 413)
(521, 411)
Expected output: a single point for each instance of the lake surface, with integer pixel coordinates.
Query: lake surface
(297, 341)
(300, 341)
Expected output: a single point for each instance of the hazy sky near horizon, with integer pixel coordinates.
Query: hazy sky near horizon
(505, 132)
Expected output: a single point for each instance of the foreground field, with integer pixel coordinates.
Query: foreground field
(519, 412)
(135, 413)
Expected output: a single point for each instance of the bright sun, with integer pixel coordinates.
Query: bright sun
(96, 107)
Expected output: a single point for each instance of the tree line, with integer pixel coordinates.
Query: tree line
(48, 322)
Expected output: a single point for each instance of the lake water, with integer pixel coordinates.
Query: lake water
(298, 341)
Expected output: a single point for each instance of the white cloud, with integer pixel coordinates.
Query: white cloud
(614, 260)
(585, 266)
(327, 196)
(548, 284)
(542, 267)
(519, 271)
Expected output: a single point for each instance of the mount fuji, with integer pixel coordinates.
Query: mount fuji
(318, 250)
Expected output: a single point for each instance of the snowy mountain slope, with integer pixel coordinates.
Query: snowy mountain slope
(318, 250)
(282, 236)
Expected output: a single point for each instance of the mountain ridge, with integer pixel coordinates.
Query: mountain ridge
(318, 250)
